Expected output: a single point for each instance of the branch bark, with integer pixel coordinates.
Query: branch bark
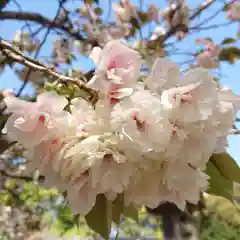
(40, 19)
(19, 57)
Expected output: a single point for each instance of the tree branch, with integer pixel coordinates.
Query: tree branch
(40, 19)
(18, 56)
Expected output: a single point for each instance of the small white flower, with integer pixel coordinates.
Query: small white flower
(62, 49)
(25, 42)
(153, 13)
(158, 32)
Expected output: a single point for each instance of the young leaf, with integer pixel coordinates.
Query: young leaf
(228, 40)
(218, 184)
(226, 8)
(229, 54)
(226, 166)
(98, 11)
(97, 218)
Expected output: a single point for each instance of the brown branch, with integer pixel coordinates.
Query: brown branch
(40, 19)
(212, 16)
(19, 57)
(61, 2)
(214, 26)
(235, 132)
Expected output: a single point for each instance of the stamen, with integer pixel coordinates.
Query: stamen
(54, 141)
(141, 125)
(42, 118)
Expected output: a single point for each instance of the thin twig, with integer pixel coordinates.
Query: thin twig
(40, 19)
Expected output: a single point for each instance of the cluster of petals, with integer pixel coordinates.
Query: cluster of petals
(234, 11)
(150, 141)
(25, 41)
(208, 58)
(176, 14)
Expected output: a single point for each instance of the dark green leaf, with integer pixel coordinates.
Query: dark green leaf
(226, 8)
(227, 166)
(68, 60)
(143, 17)
(3, 118)
(209, 39)
(73, 57)
(3, 3)
(131, 212)
(218, 184)
(228, 40)
(98, 11)
(97, 218)
(135, 23)
(229, 54)
(118, 208)
(89, 1)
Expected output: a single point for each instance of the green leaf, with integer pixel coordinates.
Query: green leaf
(98, 11)
(135, 23)
(73, 57)
(97, 218)
(228, 40)
(229, 54)
(118, 208)
(131, 212)
(143, 17)
(226, 7)
(88, 1)
(227, 166)
(218, 184)
(3, 118)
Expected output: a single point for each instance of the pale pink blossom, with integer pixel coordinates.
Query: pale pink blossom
(207, 59)
(153, 13)
(234, 11)
(118, 67)
(125, 12)
(33, 120)
(193, 99)
(140, 121)
(26, 42)
(86, 12)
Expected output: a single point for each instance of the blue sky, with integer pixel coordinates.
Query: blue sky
(230, 74)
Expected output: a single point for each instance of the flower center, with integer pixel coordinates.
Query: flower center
(42, 118)
(184, 98)
(141, 125)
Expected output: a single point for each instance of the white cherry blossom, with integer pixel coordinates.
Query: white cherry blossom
(118, 67)
(32, 120)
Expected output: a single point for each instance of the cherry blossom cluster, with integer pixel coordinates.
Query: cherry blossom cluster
(147, 138)
(234, 11)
